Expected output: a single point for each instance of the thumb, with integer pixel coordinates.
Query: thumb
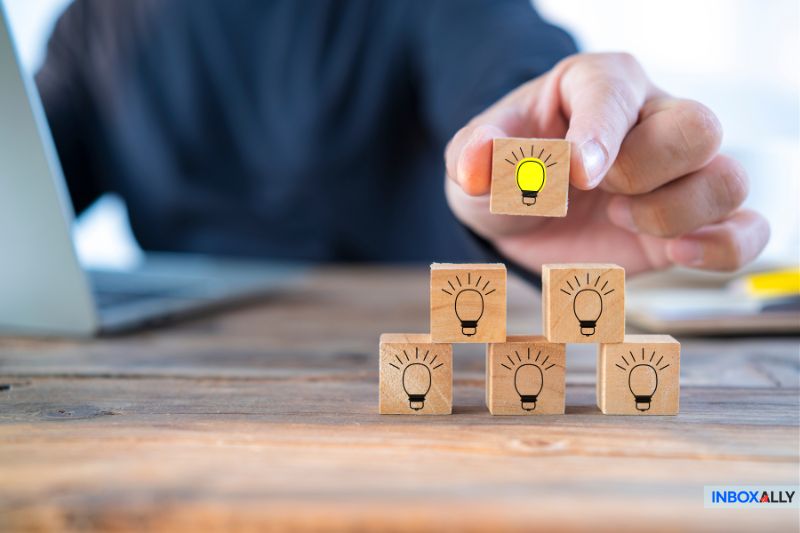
(601, 95)
(468, 157)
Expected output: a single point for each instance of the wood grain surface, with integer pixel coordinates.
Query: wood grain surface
(265, 418)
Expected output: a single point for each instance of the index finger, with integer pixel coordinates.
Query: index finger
(602, 97)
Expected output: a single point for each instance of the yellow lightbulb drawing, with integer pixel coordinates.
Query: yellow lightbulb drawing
(531, 176)
(530, 173)
(642, 377)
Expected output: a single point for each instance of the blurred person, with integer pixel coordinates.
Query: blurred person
(315, 129)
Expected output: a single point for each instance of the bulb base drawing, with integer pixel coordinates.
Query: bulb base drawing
(643, 402)
(416, 401)
(588, 327)
(469, 327)
(529, 197)
(528, 401)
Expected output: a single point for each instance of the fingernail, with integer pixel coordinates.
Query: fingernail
(594, 160)
(686, 252)
(619, 211)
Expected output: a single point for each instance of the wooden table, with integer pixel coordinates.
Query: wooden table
(267, 416)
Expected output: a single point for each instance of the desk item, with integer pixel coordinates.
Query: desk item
(43, 288)
(689, 304)
(530, 177)
(468, 302)
(525, 376)
(583, 302)
(783, 283)
(416, 375)
(640, 376)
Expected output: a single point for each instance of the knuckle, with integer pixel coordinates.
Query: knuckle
(732, 250)
(627, 60)
(735, 183)
(659, 221)
(625, 177)
(700, 131)
(623, 96)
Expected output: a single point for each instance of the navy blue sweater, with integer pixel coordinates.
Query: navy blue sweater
(294, 129)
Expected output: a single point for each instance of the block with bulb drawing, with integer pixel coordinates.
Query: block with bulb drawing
(639, 376)
(525, 376)
(416, 375)
(468, 302)
(583, 302)
(530, 177)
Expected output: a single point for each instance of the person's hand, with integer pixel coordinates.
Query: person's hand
(648, 188)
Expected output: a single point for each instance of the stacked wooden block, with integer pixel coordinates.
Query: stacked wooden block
(581, 303)
(525, 375)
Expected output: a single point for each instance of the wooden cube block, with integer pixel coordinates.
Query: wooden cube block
(530, 177)
(640, 376)
(525, 376)
(583, 302)
(416, 375)
(468, 302)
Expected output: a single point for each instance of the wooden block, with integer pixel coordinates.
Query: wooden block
(640, 376)
(468, 302)
(525, 376)
(530, 177)
(416, 375)
(583, 302)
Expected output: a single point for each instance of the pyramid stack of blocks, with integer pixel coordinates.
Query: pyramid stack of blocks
(581, 303)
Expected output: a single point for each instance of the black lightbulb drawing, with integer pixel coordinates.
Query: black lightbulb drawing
(587, 302)
(642, 377)
(528, 377)
(417, 384)
(416, 376)
(469, 301)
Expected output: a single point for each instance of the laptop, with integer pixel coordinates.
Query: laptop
(43, 288)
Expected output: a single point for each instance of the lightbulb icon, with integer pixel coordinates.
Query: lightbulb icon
(469, 309)
(469, 300)
(416, 383)
(528, 376)
(643, 382)
(642, 377)
(587, 307)
(531, 176)
(416, 377)
(528, 381)
(530, 173)
(587, 302)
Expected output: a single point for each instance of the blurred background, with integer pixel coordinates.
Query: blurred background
(737, 56)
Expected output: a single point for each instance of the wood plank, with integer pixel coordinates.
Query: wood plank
(76, 449)
(267, 418)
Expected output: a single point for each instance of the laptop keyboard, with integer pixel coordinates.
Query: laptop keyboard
(112, 289)
(109, 298)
